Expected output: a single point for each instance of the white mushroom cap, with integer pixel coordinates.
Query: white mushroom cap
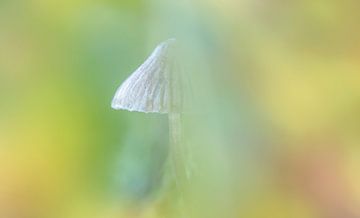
(155, 86)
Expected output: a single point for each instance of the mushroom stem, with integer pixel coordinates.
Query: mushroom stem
(177, 156)
(176, 153)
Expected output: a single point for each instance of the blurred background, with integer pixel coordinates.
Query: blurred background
(274, 125)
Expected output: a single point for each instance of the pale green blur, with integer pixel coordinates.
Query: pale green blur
(272, 125)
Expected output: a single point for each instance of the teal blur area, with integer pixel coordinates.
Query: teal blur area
(272, 121)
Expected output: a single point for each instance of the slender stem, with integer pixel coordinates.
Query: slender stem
(176, 154)
(178, 161)
(180, 155)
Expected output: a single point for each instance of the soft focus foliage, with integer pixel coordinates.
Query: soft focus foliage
(273, 127)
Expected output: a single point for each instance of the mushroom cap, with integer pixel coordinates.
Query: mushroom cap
(155, 87)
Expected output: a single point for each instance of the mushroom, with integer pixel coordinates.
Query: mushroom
(156, 87)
